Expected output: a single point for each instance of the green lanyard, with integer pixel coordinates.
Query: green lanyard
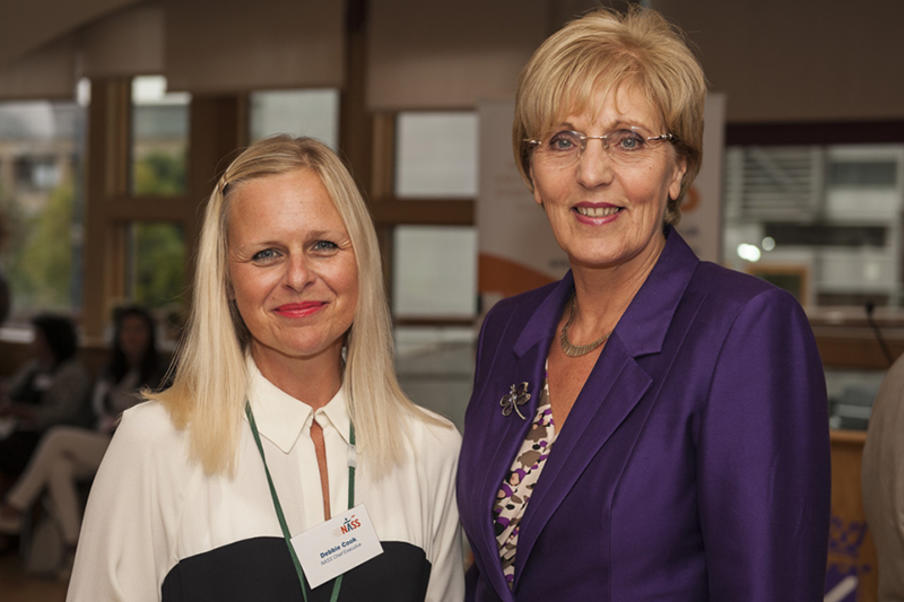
(337, 583)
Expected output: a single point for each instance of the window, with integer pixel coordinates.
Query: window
(313, 113)
(41, 205)
(435, 271)
(156, 264)
(434, 261)
(434, 257)
(435, 365)
(822, 220)
(436, 155)
(38, 173)
(159, 138)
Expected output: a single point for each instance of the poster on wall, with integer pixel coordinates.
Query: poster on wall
(516, 248)
(701, 211)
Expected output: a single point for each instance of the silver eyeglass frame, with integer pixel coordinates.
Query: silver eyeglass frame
(667, 137)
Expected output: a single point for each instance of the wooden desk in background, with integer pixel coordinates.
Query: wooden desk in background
(851, 549)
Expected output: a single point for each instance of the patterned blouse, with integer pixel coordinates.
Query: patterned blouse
(517, 486)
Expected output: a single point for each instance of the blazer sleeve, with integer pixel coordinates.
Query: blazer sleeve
(763, 461)
(492, 330)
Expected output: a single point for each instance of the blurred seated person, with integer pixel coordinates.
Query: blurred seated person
(69, 454)
(5, 300)
(135, 364)
(50, 389)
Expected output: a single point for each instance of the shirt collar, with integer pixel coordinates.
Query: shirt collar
(282, 418)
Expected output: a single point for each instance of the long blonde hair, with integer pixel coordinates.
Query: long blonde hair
(210, 382)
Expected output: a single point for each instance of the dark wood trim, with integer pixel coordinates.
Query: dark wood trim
(218, 130)
(814, 133)
(433, 321)
(386, 241)
(847, 437)
(459, 212)
(383, 156)
(356, 128)
(149, 208)
(849, 348)
(106, 178)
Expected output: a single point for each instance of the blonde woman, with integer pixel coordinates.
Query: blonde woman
(285, 424)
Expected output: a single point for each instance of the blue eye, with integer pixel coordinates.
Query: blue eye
(564, 142)
(265, 255)
(626, 140)
(325, 245)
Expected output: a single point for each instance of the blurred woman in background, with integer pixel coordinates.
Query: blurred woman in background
(67, 455)
(52, 388)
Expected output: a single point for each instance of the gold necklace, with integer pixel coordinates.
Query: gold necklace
(577, 350)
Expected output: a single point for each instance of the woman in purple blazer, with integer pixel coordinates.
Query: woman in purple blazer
(651, 427)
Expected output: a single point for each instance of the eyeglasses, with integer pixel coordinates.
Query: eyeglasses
(623, 145)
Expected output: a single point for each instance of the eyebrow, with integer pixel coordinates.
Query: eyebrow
(327, 233)
(337, 236)
(618, 124)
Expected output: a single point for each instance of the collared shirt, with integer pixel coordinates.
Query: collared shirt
(158, 528)
(286, 423)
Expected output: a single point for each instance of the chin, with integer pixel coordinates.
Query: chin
(600, 258)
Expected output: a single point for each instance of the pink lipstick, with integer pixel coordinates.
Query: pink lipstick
(300, 310)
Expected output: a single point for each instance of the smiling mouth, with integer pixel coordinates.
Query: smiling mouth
(300, 310)
(597, 211)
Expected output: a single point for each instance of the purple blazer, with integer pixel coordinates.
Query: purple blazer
(694, 465)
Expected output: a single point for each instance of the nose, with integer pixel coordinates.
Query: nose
(298, 272)
(595, 165)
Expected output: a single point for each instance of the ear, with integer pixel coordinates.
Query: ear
(533, 186)
(677, 177)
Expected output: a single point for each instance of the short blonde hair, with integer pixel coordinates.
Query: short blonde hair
(210, 381)
(606, 50)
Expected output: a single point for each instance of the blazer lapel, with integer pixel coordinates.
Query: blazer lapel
(511, 432)
(526, 363)
(612, 390)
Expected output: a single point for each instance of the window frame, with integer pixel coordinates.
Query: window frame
(389, 210)
(214, 132)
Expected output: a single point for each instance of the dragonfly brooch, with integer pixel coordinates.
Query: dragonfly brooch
(517, 396)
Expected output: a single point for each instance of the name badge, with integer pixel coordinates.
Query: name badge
(337, 545)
